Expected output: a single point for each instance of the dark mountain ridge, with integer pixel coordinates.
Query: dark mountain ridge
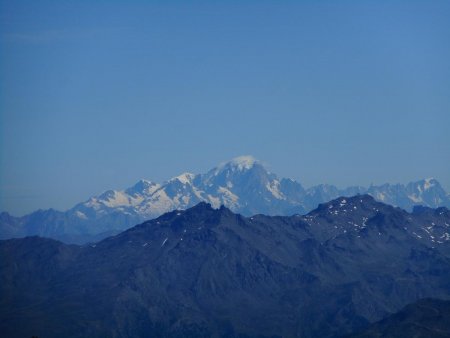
(211, 272)
(427, 318)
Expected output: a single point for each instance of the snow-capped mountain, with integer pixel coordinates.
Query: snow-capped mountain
(243, 185)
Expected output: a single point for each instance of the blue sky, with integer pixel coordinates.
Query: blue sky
(98, 94)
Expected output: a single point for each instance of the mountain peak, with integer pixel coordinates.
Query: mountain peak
(142, 183)
(184, 178)
(200, 207)
(344, 202)
(429, 182)
(142, 187)
(240, 163)
(425, 186)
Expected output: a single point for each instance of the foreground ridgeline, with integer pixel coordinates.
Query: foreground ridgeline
(208, 272)
(427, 318)
(243, 185)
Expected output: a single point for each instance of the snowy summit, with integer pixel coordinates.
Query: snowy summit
(240, 163)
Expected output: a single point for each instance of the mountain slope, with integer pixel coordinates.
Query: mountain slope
(243, 185)
(210, 272)
(427, 318)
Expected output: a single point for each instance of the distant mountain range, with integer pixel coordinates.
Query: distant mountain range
(243, 185)
(207, 272)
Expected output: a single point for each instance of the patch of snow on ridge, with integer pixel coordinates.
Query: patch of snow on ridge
(414, 198)
(428, 183)
(228, 197)
(185, 178)
(198, 193)
(446, 236)
(158, 204)
(80, 214)
(214, 201)
(273, 187)
(110, 199)
(144, 187)
(380, 196)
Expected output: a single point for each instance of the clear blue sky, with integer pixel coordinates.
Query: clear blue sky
(98, 94)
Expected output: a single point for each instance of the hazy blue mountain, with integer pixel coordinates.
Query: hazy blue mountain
(243, 185)
(207, 272)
